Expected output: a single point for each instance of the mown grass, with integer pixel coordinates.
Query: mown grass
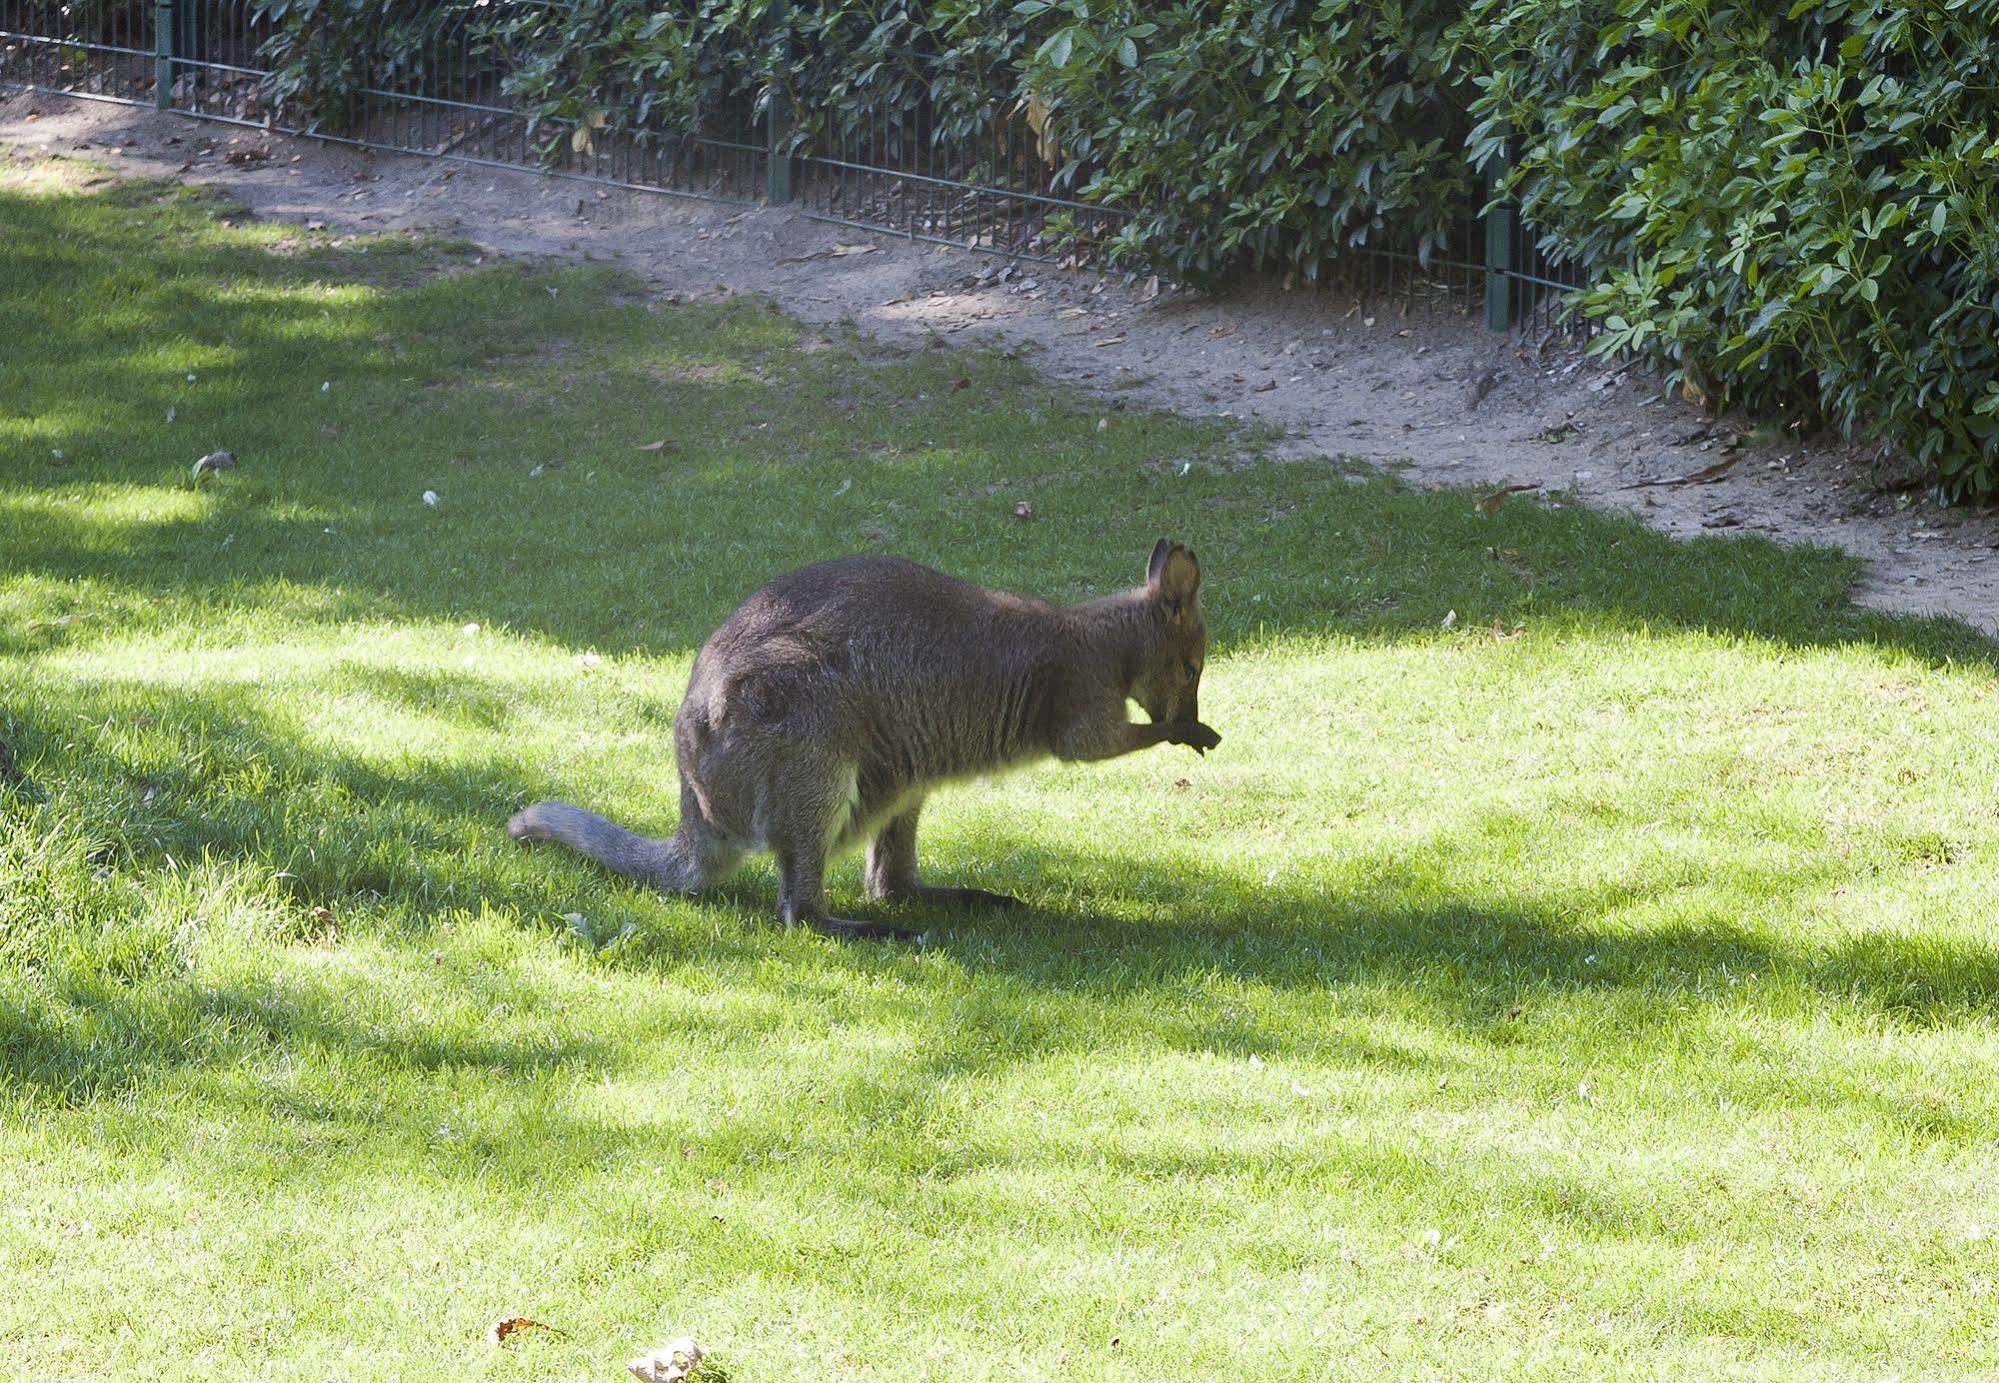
(1600, 985)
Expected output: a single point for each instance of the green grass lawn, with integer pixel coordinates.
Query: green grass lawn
(1599, 984)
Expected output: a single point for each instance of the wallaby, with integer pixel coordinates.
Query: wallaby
(833, 699)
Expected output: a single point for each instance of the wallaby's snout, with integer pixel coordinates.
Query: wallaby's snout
(1168, 684)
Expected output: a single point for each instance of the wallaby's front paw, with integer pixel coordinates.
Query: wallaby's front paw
(1196, 736)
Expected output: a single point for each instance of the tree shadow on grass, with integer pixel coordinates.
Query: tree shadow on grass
(341, 829)
(97, 1041)
(446, 382)
(1185, 958)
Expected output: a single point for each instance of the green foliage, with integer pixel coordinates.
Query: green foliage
(1787, 209)
(946, 70)
(1253, 135)
(629, 66)
(323, 53)
(1246, 137)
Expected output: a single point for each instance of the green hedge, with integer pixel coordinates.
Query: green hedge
(1796, 210)
(1260, 135)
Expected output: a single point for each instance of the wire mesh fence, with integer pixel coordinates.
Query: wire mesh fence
(988, 182)
(442, 78)
(106, 49)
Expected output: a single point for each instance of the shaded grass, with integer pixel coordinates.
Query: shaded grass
(1602, 984)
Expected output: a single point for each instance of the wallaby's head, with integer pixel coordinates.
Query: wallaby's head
(1168, 682)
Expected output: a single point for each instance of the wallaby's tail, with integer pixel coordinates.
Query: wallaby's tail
(673, 863)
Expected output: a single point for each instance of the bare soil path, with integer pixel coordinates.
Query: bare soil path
(1433, 393)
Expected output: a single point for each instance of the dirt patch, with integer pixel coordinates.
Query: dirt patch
(1458, 405)
(705, 373)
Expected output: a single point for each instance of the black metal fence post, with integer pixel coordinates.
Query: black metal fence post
(1501, 230)
(777, 180)
(163, 54)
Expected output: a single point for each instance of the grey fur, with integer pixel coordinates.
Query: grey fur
(827, 706)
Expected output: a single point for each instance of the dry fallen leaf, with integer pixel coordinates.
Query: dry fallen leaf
(507, 1327)
(1714, 472)
(672, 1362)
(1151, 289)
(660, 445)
(1074, 312)
(960, 384)
(1705, 475)
(1111, 340)
(1023, 510)
(62, 621)
(1040, 120)
(1490, 504)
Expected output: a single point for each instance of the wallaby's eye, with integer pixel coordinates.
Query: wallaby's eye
(1193, 670)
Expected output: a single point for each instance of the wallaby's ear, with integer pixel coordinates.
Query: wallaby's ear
(1175, 580)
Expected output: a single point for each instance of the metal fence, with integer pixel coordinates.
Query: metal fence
(982, 182)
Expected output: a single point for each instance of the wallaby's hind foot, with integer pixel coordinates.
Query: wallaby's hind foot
(849, 930)
(891, 876)
(801, 900)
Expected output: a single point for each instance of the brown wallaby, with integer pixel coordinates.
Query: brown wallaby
(833, 699)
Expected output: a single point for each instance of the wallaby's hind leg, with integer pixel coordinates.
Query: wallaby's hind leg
(810, 806)
(801, 874)
(892, 870)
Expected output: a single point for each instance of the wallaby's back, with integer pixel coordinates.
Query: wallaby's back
(883, 656)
